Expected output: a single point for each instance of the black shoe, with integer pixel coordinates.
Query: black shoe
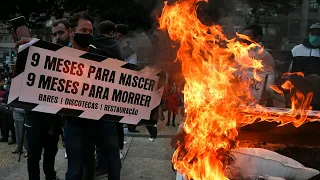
(173, 124)
(101, 173)
(134, 131)
(12, 142)
(168, 123)
(4, 140)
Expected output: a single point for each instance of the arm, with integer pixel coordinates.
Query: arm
(19, 110)
(267, 61)
(20, 64)
(287, 67)
(132, 59)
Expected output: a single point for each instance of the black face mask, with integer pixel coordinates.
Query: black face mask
(83, 40)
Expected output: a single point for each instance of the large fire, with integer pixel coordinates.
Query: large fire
(217, 102)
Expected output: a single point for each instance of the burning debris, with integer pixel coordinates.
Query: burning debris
(217, 103)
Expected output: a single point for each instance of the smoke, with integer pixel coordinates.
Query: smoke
(154, 47)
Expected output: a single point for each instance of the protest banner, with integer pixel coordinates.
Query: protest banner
(60, 80)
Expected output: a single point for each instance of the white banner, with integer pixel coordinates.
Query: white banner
(58, 80)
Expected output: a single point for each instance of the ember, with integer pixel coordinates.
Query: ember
(216, 102)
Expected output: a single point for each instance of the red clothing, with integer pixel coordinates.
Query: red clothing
(2, 92)
(171, 95)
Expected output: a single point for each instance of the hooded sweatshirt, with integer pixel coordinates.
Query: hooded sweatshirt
(109, 45)
(306, 58)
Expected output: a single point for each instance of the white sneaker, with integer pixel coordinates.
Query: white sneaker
(65, 155)
(121, 155)
(151, 139)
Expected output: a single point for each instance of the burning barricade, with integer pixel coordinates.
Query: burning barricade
(218, 102)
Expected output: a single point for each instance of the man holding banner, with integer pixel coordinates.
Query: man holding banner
(43, 129)
(91, 91)
(81, 134)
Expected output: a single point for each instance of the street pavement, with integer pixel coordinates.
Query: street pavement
(143, 159)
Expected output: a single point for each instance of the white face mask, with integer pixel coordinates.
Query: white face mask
(4, 86)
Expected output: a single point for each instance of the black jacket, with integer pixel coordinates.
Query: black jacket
(110, 46)
(306, 59)
(82, 122)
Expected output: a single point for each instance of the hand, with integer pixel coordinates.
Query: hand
(21, 42)
(161, 115)
(161, 125)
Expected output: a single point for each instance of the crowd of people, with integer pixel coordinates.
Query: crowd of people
(93, 148)
(302, 58)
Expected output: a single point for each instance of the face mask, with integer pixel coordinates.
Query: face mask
(83, 40)
(314, 40)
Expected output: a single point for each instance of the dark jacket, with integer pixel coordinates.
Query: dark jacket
(110, 46)
(127, 51)
(6, 96)
(82, 122)
(306, 59)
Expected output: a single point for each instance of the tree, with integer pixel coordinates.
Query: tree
(264, 10)
(131, 12)
(137, 14)
(35, 11)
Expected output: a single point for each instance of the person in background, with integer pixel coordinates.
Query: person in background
(19, 120)
(106, 40)
(43, 129)
(2, 113)
(306, 59)
(60, 32)
(129, 55)
(110, 47)
(8, 122)
(255, 33)
(173, 101)
(82, 134)
(306, 56)
(156, 114)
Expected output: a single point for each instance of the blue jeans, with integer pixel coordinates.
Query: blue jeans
(80, 142)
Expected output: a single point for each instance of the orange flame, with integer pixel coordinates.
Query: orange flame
(293, 73)
(217, 101)
(276, 89)
(287, 85)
